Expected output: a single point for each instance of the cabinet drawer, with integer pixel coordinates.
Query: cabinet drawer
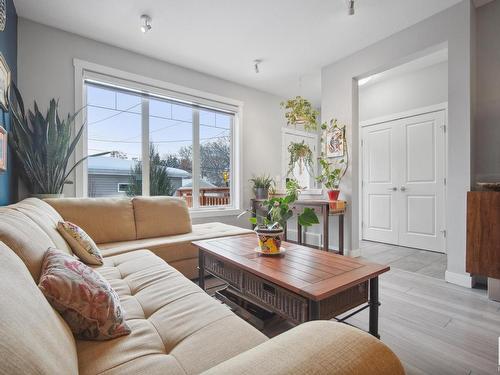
(224, 270)
(283, 302)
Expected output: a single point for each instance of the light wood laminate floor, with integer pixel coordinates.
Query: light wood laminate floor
(434, 327)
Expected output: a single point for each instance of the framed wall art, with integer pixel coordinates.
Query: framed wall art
(3, 149)
(335, 142)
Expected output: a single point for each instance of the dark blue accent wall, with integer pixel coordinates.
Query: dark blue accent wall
(8, 47)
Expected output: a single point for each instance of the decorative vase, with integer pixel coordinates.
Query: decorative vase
(269, 240)
(46, 196)
(333, 194)
(261, 193)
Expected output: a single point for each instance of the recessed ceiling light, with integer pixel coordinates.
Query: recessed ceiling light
(256, 67)
(350, 7)
(145, 23)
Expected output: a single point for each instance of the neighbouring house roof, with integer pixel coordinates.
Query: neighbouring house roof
(188, 182)
(116, 166)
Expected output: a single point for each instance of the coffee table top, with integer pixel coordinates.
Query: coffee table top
(312, 273)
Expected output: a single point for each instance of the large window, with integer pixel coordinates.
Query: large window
(158, 146)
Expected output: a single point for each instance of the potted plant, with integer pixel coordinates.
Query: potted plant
(270, 226)
(330, 177)
(43, 146)
(261, 186)
(299, 111)
(300, 154)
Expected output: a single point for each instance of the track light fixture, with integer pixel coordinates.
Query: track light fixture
(256, 64)
(350, 7)
(145, 23)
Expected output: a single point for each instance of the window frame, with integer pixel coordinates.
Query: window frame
(87, 71)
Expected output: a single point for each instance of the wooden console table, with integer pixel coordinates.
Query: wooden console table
(335, 208)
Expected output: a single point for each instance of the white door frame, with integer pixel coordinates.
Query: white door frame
(396, 116)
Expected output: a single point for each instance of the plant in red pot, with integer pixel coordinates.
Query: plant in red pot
(331, 175)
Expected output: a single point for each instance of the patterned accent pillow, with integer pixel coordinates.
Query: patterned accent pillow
(82, 296)
(82, 245)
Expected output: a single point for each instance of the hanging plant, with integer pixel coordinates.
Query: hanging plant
(299, 111)
(300, 154)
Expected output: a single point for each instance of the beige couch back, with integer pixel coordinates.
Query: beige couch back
(104, 219)
(29, 228)
(35, 339)
(124, 219)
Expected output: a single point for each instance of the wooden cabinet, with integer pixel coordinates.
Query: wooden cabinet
(483, 233)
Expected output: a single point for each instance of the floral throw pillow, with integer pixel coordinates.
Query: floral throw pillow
(82, 245)
(82, 296)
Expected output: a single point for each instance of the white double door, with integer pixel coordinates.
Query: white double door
(404, 182)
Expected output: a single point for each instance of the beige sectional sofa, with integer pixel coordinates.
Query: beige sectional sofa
(176, 327)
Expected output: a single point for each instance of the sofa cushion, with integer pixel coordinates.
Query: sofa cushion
(26, 238)
(104, 219)
(35, 339)
(45, 217)
(174, 248)
(160, 216)
(81, 243)
(82, 296)
(174, 323)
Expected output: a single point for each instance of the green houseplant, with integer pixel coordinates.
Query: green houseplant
(261, 186)
(299, 111)
(332, 172)
(278, 210)
(300, 154)
(43, 145)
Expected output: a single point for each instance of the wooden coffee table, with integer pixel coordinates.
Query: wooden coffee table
(301, 285)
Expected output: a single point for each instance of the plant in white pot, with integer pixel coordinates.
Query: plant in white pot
(261, 186)
(43, 146)
(270, 227)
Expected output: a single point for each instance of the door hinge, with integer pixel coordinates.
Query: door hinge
(444, 128)
(362, 142)
(362, 224)
(444, 180)
(444, 233)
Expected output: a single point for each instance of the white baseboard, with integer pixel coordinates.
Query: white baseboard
(462, 279)
(354, 253)
(315, 239)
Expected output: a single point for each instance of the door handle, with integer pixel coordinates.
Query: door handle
(402, 188)
(394, 188)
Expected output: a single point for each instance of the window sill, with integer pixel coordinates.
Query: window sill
(214, 212)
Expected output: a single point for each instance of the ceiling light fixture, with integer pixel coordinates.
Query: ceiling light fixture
(145, 23)
(256, 64)
(350, 7)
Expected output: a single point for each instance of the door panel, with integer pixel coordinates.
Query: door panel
(422, 194)
(379, 179)
(403, 181)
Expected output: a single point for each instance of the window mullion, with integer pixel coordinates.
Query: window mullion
(145, 145)
(195, 178)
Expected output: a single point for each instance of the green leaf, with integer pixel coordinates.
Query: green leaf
(308, 217)
(253, 220)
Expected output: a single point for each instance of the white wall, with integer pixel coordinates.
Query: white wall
(487, 120)
(451, 29)
(46, 71)
(404, 92)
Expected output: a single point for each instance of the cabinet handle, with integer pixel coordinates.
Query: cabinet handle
(402, 188)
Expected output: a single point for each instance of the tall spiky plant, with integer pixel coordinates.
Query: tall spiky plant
(43, 145)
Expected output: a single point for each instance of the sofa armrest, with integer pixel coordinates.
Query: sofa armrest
(318, 347)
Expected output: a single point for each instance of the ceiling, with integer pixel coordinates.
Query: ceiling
(293, 38)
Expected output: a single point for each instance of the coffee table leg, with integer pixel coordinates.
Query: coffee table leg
(374, 303)
(201, 269)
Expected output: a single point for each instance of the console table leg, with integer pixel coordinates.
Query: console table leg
(341, 234)
(201, 269)
(299, 233)
(374, 303)
(326, 226)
